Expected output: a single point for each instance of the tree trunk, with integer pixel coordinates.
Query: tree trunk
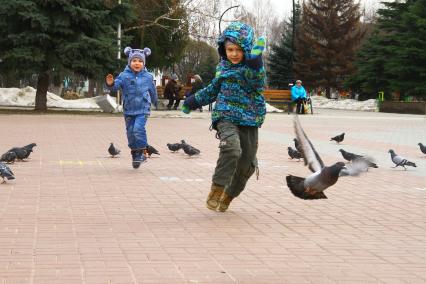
(41, 93)
(328, 92)
(91, 89)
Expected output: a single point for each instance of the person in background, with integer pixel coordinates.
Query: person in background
(298, 95)
(171, 92)
(197, 85)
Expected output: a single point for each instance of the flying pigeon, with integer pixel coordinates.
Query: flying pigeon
(151, 150)
(312, 187)
(174, 147)
(294, 154)
(29, 148)
(338, 138)
(190, 150)
(20, 152)
(422, 148)
(400, 161)
(352, 157)
(113, 151)
(8, 157)
(6, 172)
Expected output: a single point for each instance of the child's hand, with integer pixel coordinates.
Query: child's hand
(259, 46)
(186, 109)
(109, 79)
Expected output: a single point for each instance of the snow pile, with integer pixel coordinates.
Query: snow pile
(270, 108)
(25, 97)
(345, 104)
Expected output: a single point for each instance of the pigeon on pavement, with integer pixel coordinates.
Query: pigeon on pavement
(338, 138)
(20, 152)
(29, 148)
(294, 154)
(6, 172)
(190, 150)
(113, 151)
(323, 177)
(351, 157)
(151, 150)
(422, 148)
(8, 157)
(400, 161)
(348, 156)
(174, 147)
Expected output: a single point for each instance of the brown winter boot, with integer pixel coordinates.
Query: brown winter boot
(214, 196)
(224, 202)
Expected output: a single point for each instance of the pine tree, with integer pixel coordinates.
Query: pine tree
(44, 36)
(407, 64)
(370, 77)
(326, 41)
(392, 60)
(282, 54)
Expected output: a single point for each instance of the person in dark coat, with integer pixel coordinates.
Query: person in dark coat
(171, 92)
(197, 85)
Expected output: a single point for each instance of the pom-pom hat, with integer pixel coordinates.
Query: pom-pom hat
(137, 53)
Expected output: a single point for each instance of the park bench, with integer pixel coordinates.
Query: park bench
(182, 92)
(281, 97)
(272, 96)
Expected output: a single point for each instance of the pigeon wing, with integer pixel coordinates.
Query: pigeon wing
(310, 155)
(356, 167)
(397, 159)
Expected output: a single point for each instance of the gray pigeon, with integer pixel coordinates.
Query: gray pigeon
(29, 148)
(21, 153)
(8, 157)
(294, 154)
(6, 172)
(338, 138)
(323, 177)
(151, 150)
(351, 157)
(113, 151)
(174, 147)
(190, 150)
(348, 156)
(422, 148)
(400, 161)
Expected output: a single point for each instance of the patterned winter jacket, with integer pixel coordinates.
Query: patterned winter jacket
(138, 91)
(237, 88)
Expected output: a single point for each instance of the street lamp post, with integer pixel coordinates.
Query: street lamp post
(119, 52)
(220, 19)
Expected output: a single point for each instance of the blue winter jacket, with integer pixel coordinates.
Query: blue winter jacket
(297, 93)
(138, 90)
(237, 88)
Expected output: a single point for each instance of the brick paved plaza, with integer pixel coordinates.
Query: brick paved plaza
(75, 215)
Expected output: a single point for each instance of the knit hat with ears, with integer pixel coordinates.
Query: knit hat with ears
(137, 53)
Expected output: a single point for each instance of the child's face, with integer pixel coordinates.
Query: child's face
(234, 53)
(136, 64)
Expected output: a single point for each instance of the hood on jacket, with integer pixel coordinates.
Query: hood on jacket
(238, 33)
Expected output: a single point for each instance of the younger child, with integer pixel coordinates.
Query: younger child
(238, 113)
(139, 92)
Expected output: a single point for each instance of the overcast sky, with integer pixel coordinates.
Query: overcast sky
(283, 7)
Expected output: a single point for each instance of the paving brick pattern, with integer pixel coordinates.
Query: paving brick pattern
(75, 215)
